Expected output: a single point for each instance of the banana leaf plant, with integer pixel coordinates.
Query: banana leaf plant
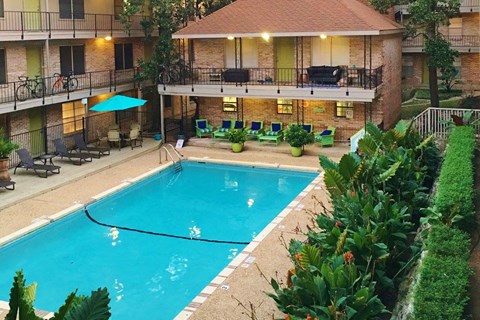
(22, 298)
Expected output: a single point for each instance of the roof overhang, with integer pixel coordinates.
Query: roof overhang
(287, 34)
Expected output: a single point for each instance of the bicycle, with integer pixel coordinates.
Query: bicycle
(30, 88)
(168, 74)
(69, 83)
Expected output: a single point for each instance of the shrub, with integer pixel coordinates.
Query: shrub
(470, 102)
(408, 94)
(441, 292)
(454, 199)
(442, 94)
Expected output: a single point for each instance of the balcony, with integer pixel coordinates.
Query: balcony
(23, 25)
(16, 96)
(466, 6)
(463, 44)
(354, 84)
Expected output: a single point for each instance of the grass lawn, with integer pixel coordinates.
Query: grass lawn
(415, 107)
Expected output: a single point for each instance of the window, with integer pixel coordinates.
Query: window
(229, 104)
(285, 106)
(344, 109)
(407, 67)
(71, 9)
(249, 57)
(72, 59)
(123, 56)
(3, 67)
(72, 114)
(117, 8)
(2, 13)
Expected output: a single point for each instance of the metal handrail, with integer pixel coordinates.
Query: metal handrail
(167, 153)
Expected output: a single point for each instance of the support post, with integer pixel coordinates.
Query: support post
(162, 118)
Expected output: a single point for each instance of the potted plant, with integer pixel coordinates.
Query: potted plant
(237, 137)
(297, 137)
(6, 147)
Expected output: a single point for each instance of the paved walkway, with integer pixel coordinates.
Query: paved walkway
(36, 197)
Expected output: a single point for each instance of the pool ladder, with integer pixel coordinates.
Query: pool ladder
(177, 159)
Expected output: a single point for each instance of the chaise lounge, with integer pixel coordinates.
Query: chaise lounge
(324, 74)
(326, 137)
(255, 130)
(75, 157)
(275, 134)
(202, 128)
(27, 162)
(8, 185)
(96, 152)
(220, 132)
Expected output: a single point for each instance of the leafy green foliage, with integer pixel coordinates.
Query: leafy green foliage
(236, 135)
(297, 136)
(75, 307)
(454, 198)
(6, 146)
(442, 289)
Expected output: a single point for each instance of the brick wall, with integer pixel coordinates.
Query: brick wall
(471, 24)
(470, 71)
(19, 122)
(391, 98)
(16, 60)
(209, 53)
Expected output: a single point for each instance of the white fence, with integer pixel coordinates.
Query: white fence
(432, 121)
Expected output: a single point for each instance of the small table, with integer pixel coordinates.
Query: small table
(45, 157)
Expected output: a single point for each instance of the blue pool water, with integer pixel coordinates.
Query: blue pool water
(148, 276)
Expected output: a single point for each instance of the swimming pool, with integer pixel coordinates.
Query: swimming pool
(150, 276)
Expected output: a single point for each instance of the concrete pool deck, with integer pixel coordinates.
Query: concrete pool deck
(237, 296)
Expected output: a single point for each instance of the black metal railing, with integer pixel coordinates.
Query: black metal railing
(349, 77)
(16, 92)
(40, 142)
(28, 21)
(460, 41)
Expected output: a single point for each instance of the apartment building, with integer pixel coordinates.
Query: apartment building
(75, 54)
(328, 63)
(463, 33)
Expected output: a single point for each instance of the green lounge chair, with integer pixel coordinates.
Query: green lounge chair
(326, 137)
(255, 130)
(202, 128)
(275, 134)
(220, 132)
(239, 124)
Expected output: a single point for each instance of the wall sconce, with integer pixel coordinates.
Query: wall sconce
(108, 38)
(323, 36)
(230, 37)
(265, 36)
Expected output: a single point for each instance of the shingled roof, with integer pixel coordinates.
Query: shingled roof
(251, 18)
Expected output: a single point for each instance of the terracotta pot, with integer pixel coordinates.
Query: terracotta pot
(4, 175)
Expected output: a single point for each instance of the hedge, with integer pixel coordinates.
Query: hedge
(441, 292)
(454, 198)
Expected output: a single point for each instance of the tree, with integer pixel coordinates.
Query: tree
(426, 16)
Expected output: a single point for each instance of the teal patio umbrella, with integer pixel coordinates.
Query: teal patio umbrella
(117, 103)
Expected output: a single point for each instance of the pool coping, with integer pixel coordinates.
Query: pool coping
(217, 281)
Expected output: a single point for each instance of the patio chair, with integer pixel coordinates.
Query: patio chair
(275, 134)
(7, 184)
(239, 124)
(326, 137)
(202, 128)
(113, 137)
(101, 138)
(255, 130)
(27, 162)
(308, 127)
(75, 157)
(133, 138)
(96, 152)
(220, 132)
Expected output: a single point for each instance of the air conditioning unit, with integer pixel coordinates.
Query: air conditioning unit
(349, 114)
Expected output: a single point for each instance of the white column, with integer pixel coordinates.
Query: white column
(162, 117)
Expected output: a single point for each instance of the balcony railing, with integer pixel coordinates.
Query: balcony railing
(25, 21)
(465, 5)
(350, 77)
(455, 41)
(22, 90)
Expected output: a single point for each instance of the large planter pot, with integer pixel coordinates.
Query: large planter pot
(237, 147)
(296, 151)
(4, 175)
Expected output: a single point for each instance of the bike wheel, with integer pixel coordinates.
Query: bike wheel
(72, 84)
(164, 77)
(22, 93)
(39, 90)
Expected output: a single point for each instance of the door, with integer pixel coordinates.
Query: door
(425, 76)
(32, 17)
(34, 62)
(37, 140)
(285, 59)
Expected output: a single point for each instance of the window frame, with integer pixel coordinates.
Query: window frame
(123, 57)
(228, 105)
(284, 106)
(69, 9)
(2, 9)
(117, 6)
(341, 108)
(73, 57)
(73, 124)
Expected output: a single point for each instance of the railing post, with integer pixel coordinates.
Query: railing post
(83, 129)
(73, 24)
(110, 79)
(111, 25)
(21, 24)
(95, 19)
(14, 96)
(90, 82)
(114, 80)
(49, 25)
(45, 140)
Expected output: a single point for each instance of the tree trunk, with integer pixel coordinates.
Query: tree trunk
(433, 84)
